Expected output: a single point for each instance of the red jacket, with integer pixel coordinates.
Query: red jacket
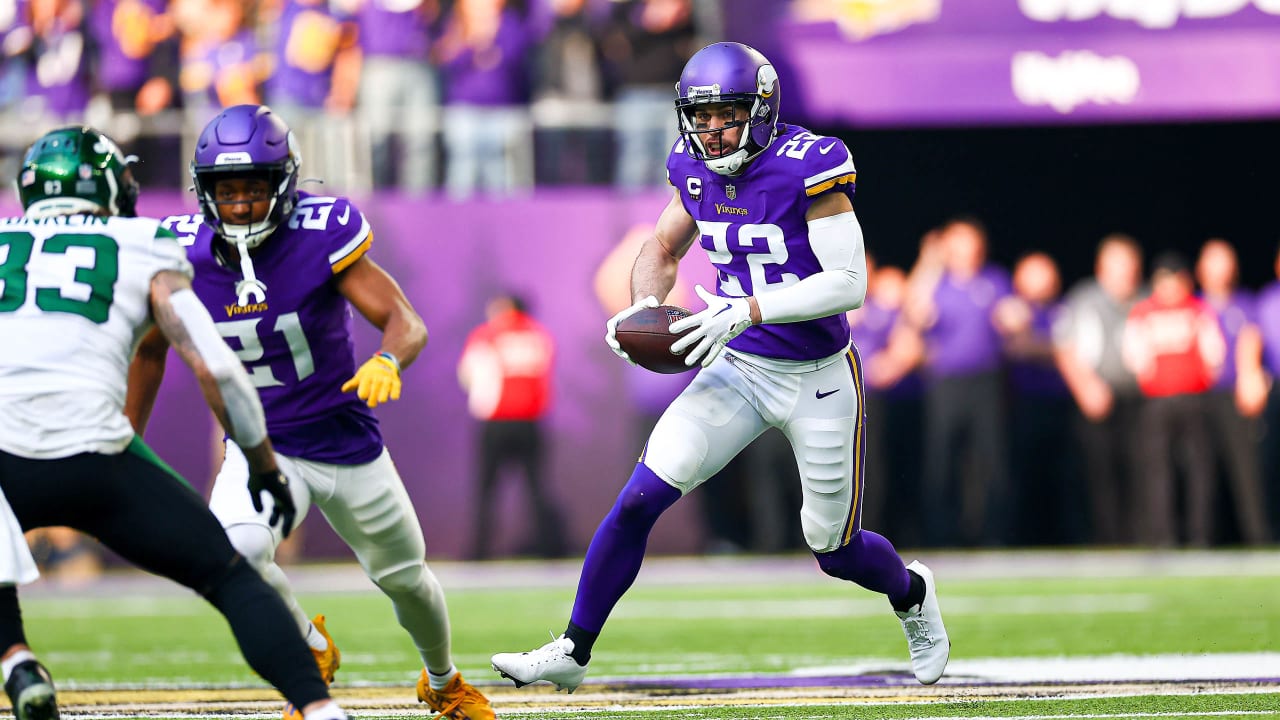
(1173, 349)
(506, 368)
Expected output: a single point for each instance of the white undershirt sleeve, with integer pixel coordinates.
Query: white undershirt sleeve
(840, 287)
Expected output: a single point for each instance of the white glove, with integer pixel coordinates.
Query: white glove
(611, 327)
(721, 322)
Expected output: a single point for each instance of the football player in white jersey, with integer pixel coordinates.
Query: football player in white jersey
(83, 279)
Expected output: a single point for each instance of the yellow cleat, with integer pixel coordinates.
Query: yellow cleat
(457, 701)
(327, 660)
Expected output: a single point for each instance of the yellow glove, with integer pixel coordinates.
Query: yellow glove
(377, 380)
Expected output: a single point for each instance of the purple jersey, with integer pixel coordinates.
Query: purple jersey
(394, 28)
(296, 345)
(310, 39)
(122, 31)
(59, 72)
(753, 228)
(1234, 312)
(963, 340)
(1039, 377)
(872, 326)
(1268, 315)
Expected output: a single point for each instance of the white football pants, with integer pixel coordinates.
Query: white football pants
(368, 507)
(818, 405)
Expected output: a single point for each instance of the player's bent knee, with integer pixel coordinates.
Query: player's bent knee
(256, 543)
(840, 562)
(402, 580)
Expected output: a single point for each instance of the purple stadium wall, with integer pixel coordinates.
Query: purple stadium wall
(450, 257)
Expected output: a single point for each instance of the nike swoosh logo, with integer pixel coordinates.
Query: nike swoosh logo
(346, 215)
(819, 394)
(827, 149)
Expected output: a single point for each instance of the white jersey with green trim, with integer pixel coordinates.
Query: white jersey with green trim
(75, 299)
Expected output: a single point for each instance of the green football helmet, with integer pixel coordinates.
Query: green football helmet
(75, 170)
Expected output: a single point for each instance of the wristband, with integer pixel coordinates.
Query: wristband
(390, 359)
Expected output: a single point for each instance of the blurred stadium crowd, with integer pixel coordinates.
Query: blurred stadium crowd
(471, 95)
(1129, 410)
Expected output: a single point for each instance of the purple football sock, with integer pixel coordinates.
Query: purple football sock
(869, 560)
(617, 549)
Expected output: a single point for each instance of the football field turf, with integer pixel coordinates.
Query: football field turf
(1034, 635)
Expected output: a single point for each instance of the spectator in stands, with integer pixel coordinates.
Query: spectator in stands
(890, 351)
(506, 368)
(568, 85)
(1234, 435)
(1258, 364)
(1087, 340)
(1048, 507)
(222, 65)
(400, 91)
(15, 37)
(966, 443)
(647, 43)
(134, 55)
(484, 62)
(58, 83)
(1174, 347)
(313, 82)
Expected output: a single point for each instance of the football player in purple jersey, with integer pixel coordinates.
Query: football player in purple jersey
(771, 205)
(280, 270)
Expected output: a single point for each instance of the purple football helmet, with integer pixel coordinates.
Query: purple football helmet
(729, 72)
(247, 141)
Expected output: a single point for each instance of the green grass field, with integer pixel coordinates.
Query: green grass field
(669, 634)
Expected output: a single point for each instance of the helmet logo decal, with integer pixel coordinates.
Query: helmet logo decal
(28, 177)
(233, 158)
(705, 93)
(766, 80)
(85, 171)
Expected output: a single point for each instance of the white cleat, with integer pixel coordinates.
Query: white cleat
(551, 662)
(926, 637)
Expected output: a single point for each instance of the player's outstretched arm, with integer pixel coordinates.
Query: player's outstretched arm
(145, 374)
(186, 324)
(377, 296)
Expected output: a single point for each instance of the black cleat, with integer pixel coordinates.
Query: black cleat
(31, 691)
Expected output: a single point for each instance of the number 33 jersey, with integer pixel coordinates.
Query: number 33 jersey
(754, 230)
(296, 342)
(76, 299)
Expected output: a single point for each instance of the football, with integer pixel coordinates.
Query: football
(646, 336)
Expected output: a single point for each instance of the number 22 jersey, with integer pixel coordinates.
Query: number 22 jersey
(754, 230)
(296, 343)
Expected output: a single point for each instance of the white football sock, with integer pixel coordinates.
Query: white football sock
(438, 682)
(315, 639)
(14, 660)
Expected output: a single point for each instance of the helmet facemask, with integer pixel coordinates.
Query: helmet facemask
(731, 73)
(726, 161)
(247, 141)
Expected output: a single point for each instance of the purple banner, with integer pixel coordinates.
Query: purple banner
(450, 258)
(974, 62)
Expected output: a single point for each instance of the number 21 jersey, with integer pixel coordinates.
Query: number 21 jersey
(296, 343)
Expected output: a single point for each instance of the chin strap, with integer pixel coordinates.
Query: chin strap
(250, 290)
